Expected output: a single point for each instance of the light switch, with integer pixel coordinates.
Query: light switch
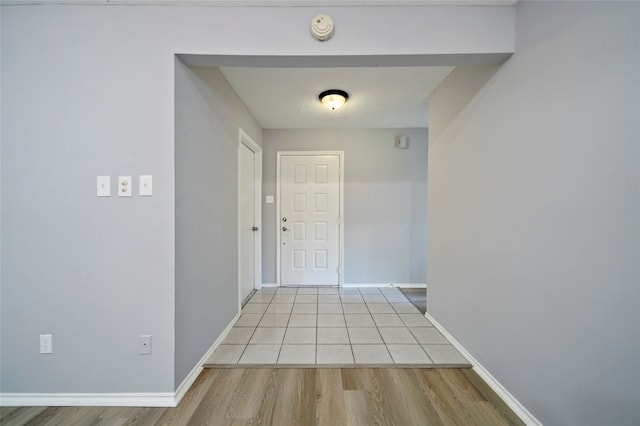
(269, 199)
(146, 185)
(104, 186)
(124, 186)
(46, 344)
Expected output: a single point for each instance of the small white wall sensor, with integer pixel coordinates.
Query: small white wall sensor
(401, 142)
(322, 27)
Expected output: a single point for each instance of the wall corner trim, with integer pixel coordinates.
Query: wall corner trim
(146, 399)
(493, 383)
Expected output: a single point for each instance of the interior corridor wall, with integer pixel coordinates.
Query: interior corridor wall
(384, 200)
(534, 212)
(89, 90)
(208, 116)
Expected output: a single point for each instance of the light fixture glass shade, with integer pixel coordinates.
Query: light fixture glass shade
(333, 99)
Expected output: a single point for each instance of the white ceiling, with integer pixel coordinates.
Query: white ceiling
(381, 97)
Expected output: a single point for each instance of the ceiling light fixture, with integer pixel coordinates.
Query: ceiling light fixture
(334, 98)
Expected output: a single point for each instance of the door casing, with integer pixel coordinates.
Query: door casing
(340, 155)
(247, 141)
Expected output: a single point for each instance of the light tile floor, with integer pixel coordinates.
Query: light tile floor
(329, 326)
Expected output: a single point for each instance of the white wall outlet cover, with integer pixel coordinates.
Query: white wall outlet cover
(146, 185)
(269, 199)
(322, 27)
(144, 344)
(46, 344)
(104, 186)
(124, 186)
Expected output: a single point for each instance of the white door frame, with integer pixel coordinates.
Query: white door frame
(246, 140)
(340, 155)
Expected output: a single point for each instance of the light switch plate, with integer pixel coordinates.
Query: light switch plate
(269, 199)
(146, 185)
(46, 344)
(124, 186)
(104, 186)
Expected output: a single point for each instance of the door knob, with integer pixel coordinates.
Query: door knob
(255, 228)
(284, 219)
(284, 228)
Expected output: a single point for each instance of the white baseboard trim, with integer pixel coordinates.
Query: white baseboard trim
(193, 375)
(150, 399)
(410, 285)
(398, 285)
(347, 285)
(144, 399)
(493, 383)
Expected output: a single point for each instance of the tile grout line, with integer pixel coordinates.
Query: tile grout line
(254, 328)
(385, 343)
(346, 327)
(375, 324)
(414, 336)
(412, 333)
(286, 328)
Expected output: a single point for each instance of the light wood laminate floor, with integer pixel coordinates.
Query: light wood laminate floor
(313, 396)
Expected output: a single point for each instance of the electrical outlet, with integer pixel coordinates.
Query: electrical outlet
(46, 344)
(124, 186)
(144, 344)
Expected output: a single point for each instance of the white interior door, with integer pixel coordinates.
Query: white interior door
(309, 222)
(247, 233)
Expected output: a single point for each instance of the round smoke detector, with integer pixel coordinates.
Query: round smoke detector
(322, 27)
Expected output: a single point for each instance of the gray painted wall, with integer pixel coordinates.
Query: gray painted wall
(94, 272)
(534, 209)
(208, 115)
(88, 91)
(384, 197)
